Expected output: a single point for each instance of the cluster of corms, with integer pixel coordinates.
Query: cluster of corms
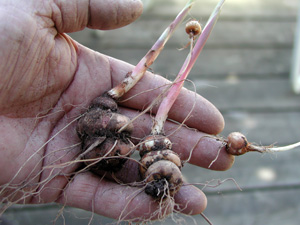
(160, 167)
(103, 147)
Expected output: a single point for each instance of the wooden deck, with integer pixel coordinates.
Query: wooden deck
(245, 71)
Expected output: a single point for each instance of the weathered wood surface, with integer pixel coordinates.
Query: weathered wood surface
(256, 9)
(244, 70)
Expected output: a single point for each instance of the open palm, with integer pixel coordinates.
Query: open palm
(48, 80)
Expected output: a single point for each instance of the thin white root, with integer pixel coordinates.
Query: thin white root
(216, 158)
(283, 148)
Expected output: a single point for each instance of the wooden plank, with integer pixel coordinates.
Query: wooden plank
(279, 9)
(216, 63)
(45, 214)
(233, 34)
(276, 208)
(250, 95)
(295, 72)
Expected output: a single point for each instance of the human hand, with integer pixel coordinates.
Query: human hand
(48, 79)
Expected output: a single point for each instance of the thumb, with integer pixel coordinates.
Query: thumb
(75, 15)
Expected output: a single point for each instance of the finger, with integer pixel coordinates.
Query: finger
(204, 115)
(107, 198)
(190, 200)
(197, 147)
(75, 15)
(123, 202)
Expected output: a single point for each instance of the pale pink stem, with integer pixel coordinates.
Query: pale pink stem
(137, 73)
(174, 91)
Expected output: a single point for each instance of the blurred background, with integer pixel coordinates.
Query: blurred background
(245, 70)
